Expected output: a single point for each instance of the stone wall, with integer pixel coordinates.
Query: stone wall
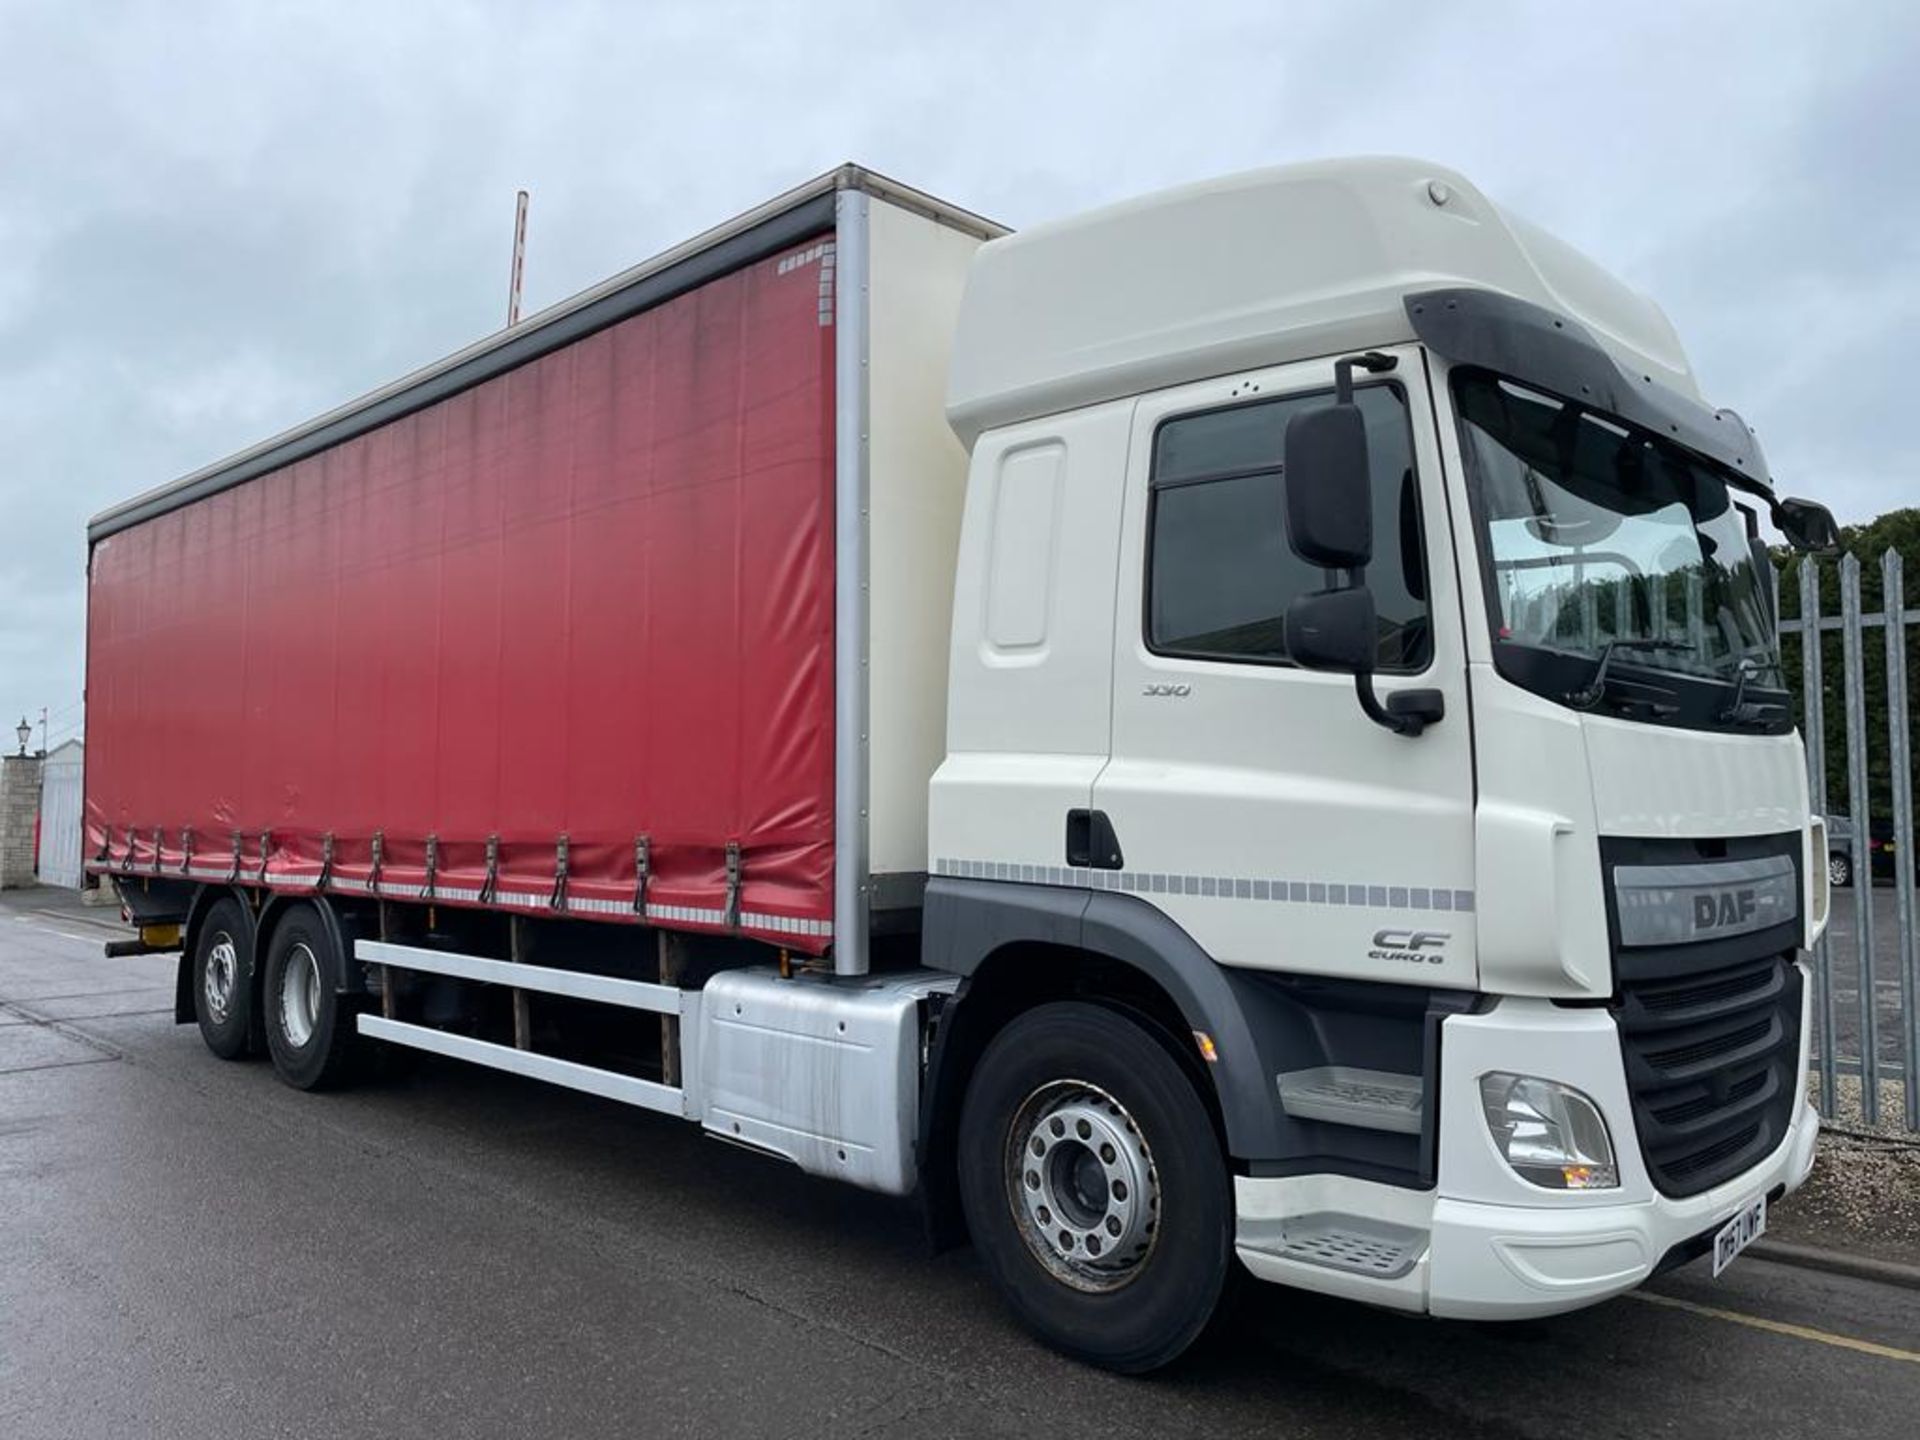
(19, 809)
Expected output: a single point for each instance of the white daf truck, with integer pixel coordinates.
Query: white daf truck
(1312, 788)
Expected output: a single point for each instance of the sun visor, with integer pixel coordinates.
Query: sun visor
(1531, 344)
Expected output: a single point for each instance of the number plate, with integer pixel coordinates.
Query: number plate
(1741, 1231)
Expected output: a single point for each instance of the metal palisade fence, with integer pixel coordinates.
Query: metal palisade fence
(1866, 1016)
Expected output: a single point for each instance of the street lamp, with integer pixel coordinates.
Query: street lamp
(25, 732)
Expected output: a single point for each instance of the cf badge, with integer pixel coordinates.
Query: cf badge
(1416, 947)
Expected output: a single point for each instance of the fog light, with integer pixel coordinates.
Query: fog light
(1551, 1134)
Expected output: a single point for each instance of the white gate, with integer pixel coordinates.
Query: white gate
(60, 821)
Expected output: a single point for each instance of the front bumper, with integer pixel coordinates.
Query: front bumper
(1495, 1247)
(1508, 1262)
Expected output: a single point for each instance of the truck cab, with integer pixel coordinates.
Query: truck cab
(1361, 631)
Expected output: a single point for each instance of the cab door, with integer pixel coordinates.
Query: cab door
(1253, 801)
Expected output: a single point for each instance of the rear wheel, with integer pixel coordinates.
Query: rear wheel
(310, 1025)
(1839, 870)
(223, 978)
(1095, 1187)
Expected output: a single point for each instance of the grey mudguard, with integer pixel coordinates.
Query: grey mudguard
(343, 928)
(1258, 1030)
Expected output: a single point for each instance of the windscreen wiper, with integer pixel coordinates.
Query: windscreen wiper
(1738, 711)
(1590, 694)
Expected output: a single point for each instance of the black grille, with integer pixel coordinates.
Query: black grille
(1688, 1057)
(1707, 1104)
(1711, 1057)
(1664, 999)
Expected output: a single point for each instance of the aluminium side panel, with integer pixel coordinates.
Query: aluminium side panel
(585, 601)
(852, 893)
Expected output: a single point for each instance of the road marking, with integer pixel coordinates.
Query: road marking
(1779, 1327)
(9, 1001)
(55, 1065)
(46, 926)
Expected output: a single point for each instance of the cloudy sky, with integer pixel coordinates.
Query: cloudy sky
(219, 219)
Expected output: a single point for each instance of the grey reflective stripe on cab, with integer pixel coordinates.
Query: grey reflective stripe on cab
(1396, 896)
(1676, 904)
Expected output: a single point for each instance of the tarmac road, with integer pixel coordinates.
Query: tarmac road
(189, 1248)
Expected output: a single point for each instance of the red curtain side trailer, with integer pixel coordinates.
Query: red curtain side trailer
(635, 611)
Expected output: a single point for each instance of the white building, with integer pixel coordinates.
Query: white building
(62, 819)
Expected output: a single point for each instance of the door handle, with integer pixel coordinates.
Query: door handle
(1091, 843)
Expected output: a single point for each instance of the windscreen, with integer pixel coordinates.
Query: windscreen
(1594, 533)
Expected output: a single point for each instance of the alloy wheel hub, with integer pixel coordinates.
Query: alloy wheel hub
(1083, 1185)
(223, 964)
(300, 996)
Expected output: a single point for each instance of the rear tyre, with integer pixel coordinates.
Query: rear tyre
(1095, 1188)
(222, 978)
(1839, 870)
(310, 1025)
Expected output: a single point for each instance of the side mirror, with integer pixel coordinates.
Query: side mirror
(1326, 479)
(1337, 630)
(1333, 630)
(1328, 484)
(1807, 524)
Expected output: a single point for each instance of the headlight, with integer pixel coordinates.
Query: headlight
(1550, 1134)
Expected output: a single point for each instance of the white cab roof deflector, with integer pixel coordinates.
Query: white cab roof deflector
(1260, 269)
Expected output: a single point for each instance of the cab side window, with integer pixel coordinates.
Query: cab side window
(1220, 573)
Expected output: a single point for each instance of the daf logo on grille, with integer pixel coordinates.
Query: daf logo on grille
(1716, 911)
(1697, 901)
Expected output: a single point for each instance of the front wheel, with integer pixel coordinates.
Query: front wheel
(1095, 1188)
(1839, 870)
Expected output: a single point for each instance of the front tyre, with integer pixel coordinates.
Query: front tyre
(310, 1025)
(1095, 1188)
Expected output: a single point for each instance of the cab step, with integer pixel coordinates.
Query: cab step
(1348, 1095)
(1372, 1248)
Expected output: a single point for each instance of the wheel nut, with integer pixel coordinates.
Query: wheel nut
(1106, 1154)
(1033, 1179)
(1083, 1130)
(1113, 1225)
(1119, 1189)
